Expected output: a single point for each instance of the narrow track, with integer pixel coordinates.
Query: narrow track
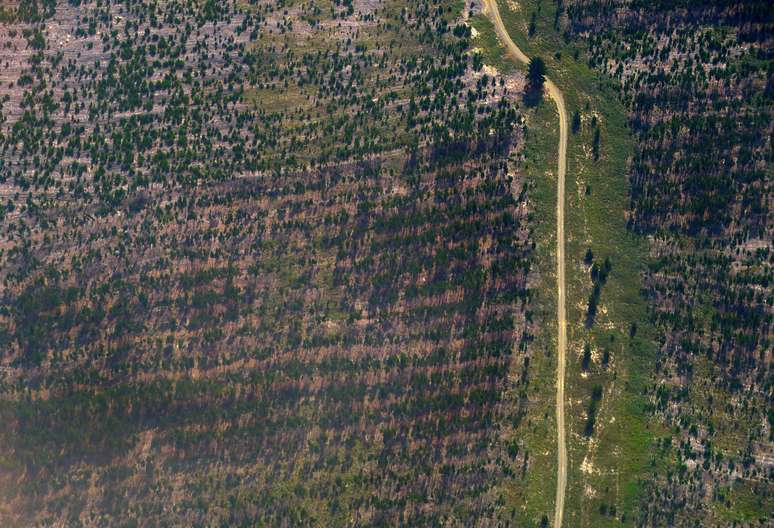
(561, 314)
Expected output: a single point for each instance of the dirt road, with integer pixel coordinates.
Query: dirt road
(561, 316)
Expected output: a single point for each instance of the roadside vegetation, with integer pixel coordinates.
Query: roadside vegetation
(611, 343)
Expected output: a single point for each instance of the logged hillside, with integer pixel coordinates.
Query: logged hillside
(260, 260)
(697, 81)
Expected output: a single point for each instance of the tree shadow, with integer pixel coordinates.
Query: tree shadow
(533, 96)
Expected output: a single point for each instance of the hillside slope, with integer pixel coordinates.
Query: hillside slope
(260, 260)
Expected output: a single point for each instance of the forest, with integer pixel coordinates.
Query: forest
(260, 260)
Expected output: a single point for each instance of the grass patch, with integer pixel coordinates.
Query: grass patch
(281, 99)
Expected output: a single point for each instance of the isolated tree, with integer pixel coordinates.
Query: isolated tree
(576, 122)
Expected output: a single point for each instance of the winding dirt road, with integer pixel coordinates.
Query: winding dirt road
(561, 315)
